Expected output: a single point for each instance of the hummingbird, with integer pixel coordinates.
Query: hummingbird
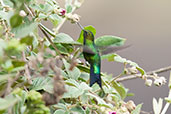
(91, 54)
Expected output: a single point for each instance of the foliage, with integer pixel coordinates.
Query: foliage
(44, 74)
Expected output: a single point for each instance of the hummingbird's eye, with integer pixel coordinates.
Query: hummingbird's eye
(85, 34)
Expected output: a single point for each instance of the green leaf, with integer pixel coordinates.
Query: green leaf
(120, 89)
(17, 108)
(8, 66)
(84, 76)
(68, 1)
(60, 111)
(6, 76)
(17, 63)
(68, 8)
(83, 86)
(130, 94)
(47, 30)
(84, 68)
(24, 29)
(16, 20)
(27, 40)
(73, 74)
(141, 70)
(84, 98)
(72, 82)
(137, 109)
(109, 41)
(60, 106)
(42, 16)
(75, 89)
(64, 39)
(77, 109)
(72, 92)
(109, 57)
(61, 48)
(3, 45)
(8, 3)
(7, 102)
(90, 28)
(88, 110)
(42, 83)
(55, 19)
(117, 58)
(99, 100)
(3, 15)
(168, 99)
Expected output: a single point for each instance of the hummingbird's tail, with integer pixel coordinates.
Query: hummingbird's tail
(95, 75)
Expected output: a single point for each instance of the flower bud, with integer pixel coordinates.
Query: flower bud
(160, 81)
(22, 13)
(148, 82)
(75, 17)
(133, 70)
(130, 106)
(62, 12)
(112, 112)
(163, 80)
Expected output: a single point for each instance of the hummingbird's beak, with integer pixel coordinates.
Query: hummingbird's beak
(80, 25)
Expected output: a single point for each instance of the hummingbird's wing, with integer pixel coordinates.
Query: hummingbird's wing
(88, 50)
(111, 49)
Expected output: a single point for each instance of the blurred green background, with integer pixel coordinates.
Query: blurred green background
(146, 24)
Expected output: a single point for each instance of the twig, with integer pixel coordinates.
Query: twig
(117, 77)
(121, 74)
(10, 83)
(161, 70)
(28, 9)
(49, 39)
(167, 104)
(42, 29)
(63, 21)
(27, 71)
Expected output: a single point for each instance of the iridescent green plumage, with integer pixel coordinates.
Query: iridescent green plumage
(91, 54)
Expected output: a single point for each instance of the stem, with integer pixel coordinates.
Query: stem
(169, 96)
(47, 30)
(115, 78)
(43, 29)
(49, 39)
(63, 21)
(121, 74)
(161, 70)
(167, 104)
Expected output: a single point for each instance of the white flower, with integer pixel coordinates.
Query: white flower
(148, 82)
(133, 70)
(160, 81)
(22, 13)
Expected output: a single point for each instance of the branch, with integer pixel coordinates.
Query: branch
(49, 39)
(41, 27)
(158, 71)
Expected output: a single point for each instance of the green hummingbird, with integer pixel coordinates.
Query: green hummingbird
(92, 56)
(91, 53)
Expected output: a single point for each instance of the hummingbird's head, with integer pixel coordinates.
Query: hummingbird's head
(88, 35)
